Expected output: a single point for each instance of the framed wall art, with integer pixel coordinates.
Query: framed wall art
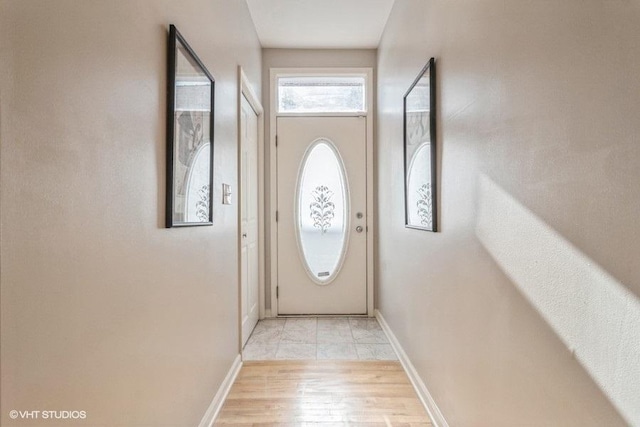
(420, 151)
(190, 107)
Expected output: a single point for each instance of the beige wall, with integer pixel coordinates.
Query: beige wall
(303, 58)
(104, 310)
(526, 305)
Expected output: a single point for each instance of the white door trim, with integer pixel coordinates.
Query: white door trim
(244, 89)
(274, 73)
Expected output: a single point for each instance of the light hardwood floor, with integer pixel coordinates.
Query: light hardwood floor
(322, 393)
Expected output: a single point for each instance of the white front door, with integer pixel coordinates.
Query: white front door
(249, 278)
(321, 203)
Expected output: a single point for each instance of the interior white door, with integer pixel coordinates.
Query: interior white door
(321, 228)
(249, 278)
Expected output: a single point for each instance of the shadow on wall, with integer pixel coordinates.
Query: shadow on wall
(596, 317)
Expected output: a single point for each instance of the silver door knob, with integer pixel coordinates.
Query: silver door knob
(359, 229)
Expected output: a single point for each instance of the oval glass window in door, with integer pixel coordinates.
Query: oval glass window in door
(322, 211)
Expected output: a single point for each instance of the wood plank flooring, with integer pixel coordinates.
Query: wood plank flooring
(322, 393)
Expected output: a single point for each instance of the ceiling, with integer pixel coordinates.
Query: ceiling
(320, 24)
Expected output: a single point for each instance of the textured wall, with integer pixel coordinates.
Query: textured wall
(103, 309)
(525, 307)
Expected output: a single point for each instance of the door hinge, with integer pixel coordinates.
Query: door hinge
(276, 140)
(276, 216)
(277, 291)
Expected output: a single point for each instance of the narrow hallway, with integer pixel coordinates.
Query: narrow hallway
(465, 171)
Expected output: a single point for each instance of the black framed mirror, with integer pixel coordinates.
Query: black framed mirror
(190, 107)
(420, 151)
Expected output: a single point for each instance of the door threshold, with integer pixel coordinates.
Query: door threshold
(321, 315)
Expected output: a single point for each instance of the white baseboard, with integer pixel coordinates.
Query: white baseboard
(421, 389)
(221, 395)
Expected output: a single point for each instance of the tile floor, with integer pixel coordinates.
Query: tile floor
(323, 338)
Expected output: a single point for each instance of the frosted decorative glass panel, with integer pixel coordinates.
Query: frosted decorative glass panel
(321, 94)
(322, 211)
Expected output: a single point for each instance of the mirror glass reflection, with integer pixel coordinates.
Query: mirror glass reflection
(419, 185)
(192, 149)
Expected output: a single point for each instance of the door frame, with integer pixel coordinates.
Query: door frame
(274, 74)
(244, 89)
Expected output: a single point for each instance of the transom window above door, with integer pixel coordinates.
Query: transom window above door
(321, 94)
